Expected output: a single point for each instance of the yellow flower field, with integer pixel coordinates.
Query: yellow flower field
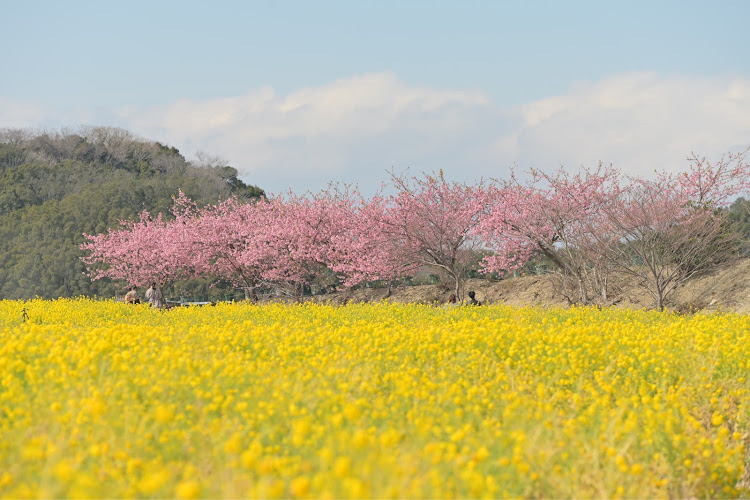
(100, 399)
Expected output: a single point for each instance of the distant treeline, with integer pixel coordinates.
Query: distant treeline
(55, 186)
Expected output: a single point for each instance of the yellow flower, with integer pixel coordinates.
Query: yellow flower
(63, 471)
(163, 414)
(233, 445)
(153, 481)
(342, 466)
(299, 486)
(187, 490)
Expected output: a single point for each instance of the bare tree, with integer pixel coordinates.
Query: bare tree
(15, 136)
(552, 216)
(662, 240)
(112, 143)
(209, 161)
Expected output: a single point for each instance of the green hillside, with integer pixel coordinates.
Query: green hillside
(54, 186)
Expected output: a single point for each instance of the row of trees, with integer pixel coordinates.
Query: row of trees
(594, 227)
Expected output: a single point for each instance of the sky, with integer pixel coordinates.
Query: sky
(298, 94)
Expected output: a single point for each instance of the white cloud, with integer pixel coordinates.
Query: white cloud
(352, 129)
(639, 121)
(356, 128)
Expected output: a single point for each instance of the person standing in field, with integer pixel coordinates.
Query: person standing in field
(155, 297)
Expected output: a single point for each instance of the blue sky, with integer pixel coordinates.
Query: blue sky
(299, 93)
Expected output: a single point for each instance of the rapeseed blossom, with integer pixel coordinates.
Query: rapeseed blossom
(100, 399)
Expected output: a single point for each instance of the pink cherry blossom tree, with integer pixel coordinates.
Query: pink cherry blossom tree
(430, 221)
(302, 231)
(228, 241)
(139, 252)
(333, 232)
(717, 183)
(550, 216)
(368, 249)
(663, 232)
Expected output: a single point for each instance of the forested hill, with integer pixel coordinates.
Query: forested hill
(56, 186)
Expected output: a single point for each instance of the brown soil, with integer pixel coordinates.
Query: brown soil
(726, 289)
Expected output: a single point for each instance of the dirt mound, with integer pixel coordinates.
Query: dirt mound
(726, 289)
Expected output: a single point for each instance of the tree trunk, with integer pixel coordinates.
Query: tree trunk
(583, 291)
(250, 293)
